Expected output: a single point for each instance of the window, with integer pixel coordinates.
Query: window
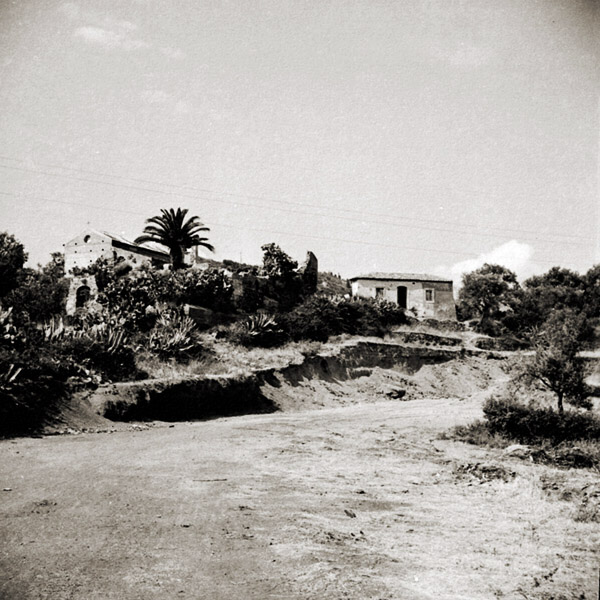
(428, 295)
(379, 293)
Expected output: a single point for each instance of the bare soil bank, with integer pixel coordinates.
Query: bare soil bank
(382, 370)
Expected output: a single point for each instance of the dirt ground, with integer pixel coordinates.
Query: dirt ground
(361, 501)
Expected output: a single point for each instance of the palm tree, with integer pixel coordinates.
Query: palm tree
(170, 229)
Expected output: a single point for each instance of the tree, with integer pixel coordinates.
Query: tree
(557, 289)
(276, 263)
(592, 292)
(486, 293)
(56, 267)
(12, 259)
(38, 296)
(555, 364)
(284, 282)
(171, 230)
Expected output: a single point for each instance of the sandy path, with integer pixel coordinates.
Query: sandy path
(356, 502)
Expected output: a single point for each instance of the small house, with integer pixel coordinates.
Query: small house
(427, 296)
(85, 249)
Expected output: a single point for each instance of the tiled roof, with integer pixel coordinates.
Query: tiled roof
(401, 277)
(133, 245)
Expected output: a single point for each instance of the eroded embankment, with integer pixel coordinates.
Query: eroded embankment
(318, 376)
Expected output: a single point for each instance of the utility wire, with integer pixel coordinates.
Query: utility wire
(286, 210)
(287, 233)
(262, 198)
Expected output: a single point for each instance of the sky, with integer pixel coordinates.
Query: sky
(384, 135)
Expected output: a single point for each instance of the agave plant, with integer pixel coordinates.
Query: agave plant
(9, 376)
(260, 324)
(55, 330)
(8, 331)
(258, 330)
(173, 335)
(107, 336)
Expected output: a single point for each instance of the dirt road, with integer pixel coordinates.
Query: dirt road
(360, 502)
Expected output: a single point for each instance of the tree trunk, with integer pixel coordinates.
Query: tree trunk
(177, 258)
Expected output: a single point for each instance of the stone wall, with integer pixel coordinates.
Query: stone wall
(77, 283)
(89, 246)
(441, 306)
(86, 249)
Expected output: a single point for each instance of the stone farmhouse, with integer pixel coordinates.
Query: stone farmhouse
(89, 246)
(428, 296)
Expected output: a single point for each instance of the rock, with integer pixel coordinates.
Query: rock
(396, 394)
(518, 451)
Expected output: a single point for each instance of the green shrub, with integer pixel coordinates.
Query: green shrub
(33, 380)
(37, 296)
(131, 298)
(315, 319)
(320, 317)
(115, 363)
(253, 294)
(528, 424)
(174, 336)
(503, 343)
(258, 331)
(211, 288)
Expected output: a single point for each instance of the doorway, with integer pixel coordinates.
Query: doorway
(82, 296)
(402, 296)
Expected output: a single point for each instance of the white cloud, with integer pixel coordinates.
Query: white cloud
(111, 38)
(513, 255)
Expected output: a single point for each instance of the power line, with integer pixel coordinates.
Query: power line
(263, 198)
(287, 210)
(287, 233)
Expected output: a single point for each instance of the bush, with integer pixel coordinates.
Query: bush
(131, 299)
(253, 294)
(174, 336)
(504, 343)
(211, 288)
(112, 363)
(37, 296)
(315, 319)
(33, 380)
(320, 317)
(258, 331)
(12, 259)
(528, 424)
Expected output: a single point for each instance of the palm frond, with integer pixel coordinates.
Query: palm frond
(171, 229)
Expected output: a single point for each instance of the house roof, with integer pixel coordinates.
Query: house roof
(401, 277)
